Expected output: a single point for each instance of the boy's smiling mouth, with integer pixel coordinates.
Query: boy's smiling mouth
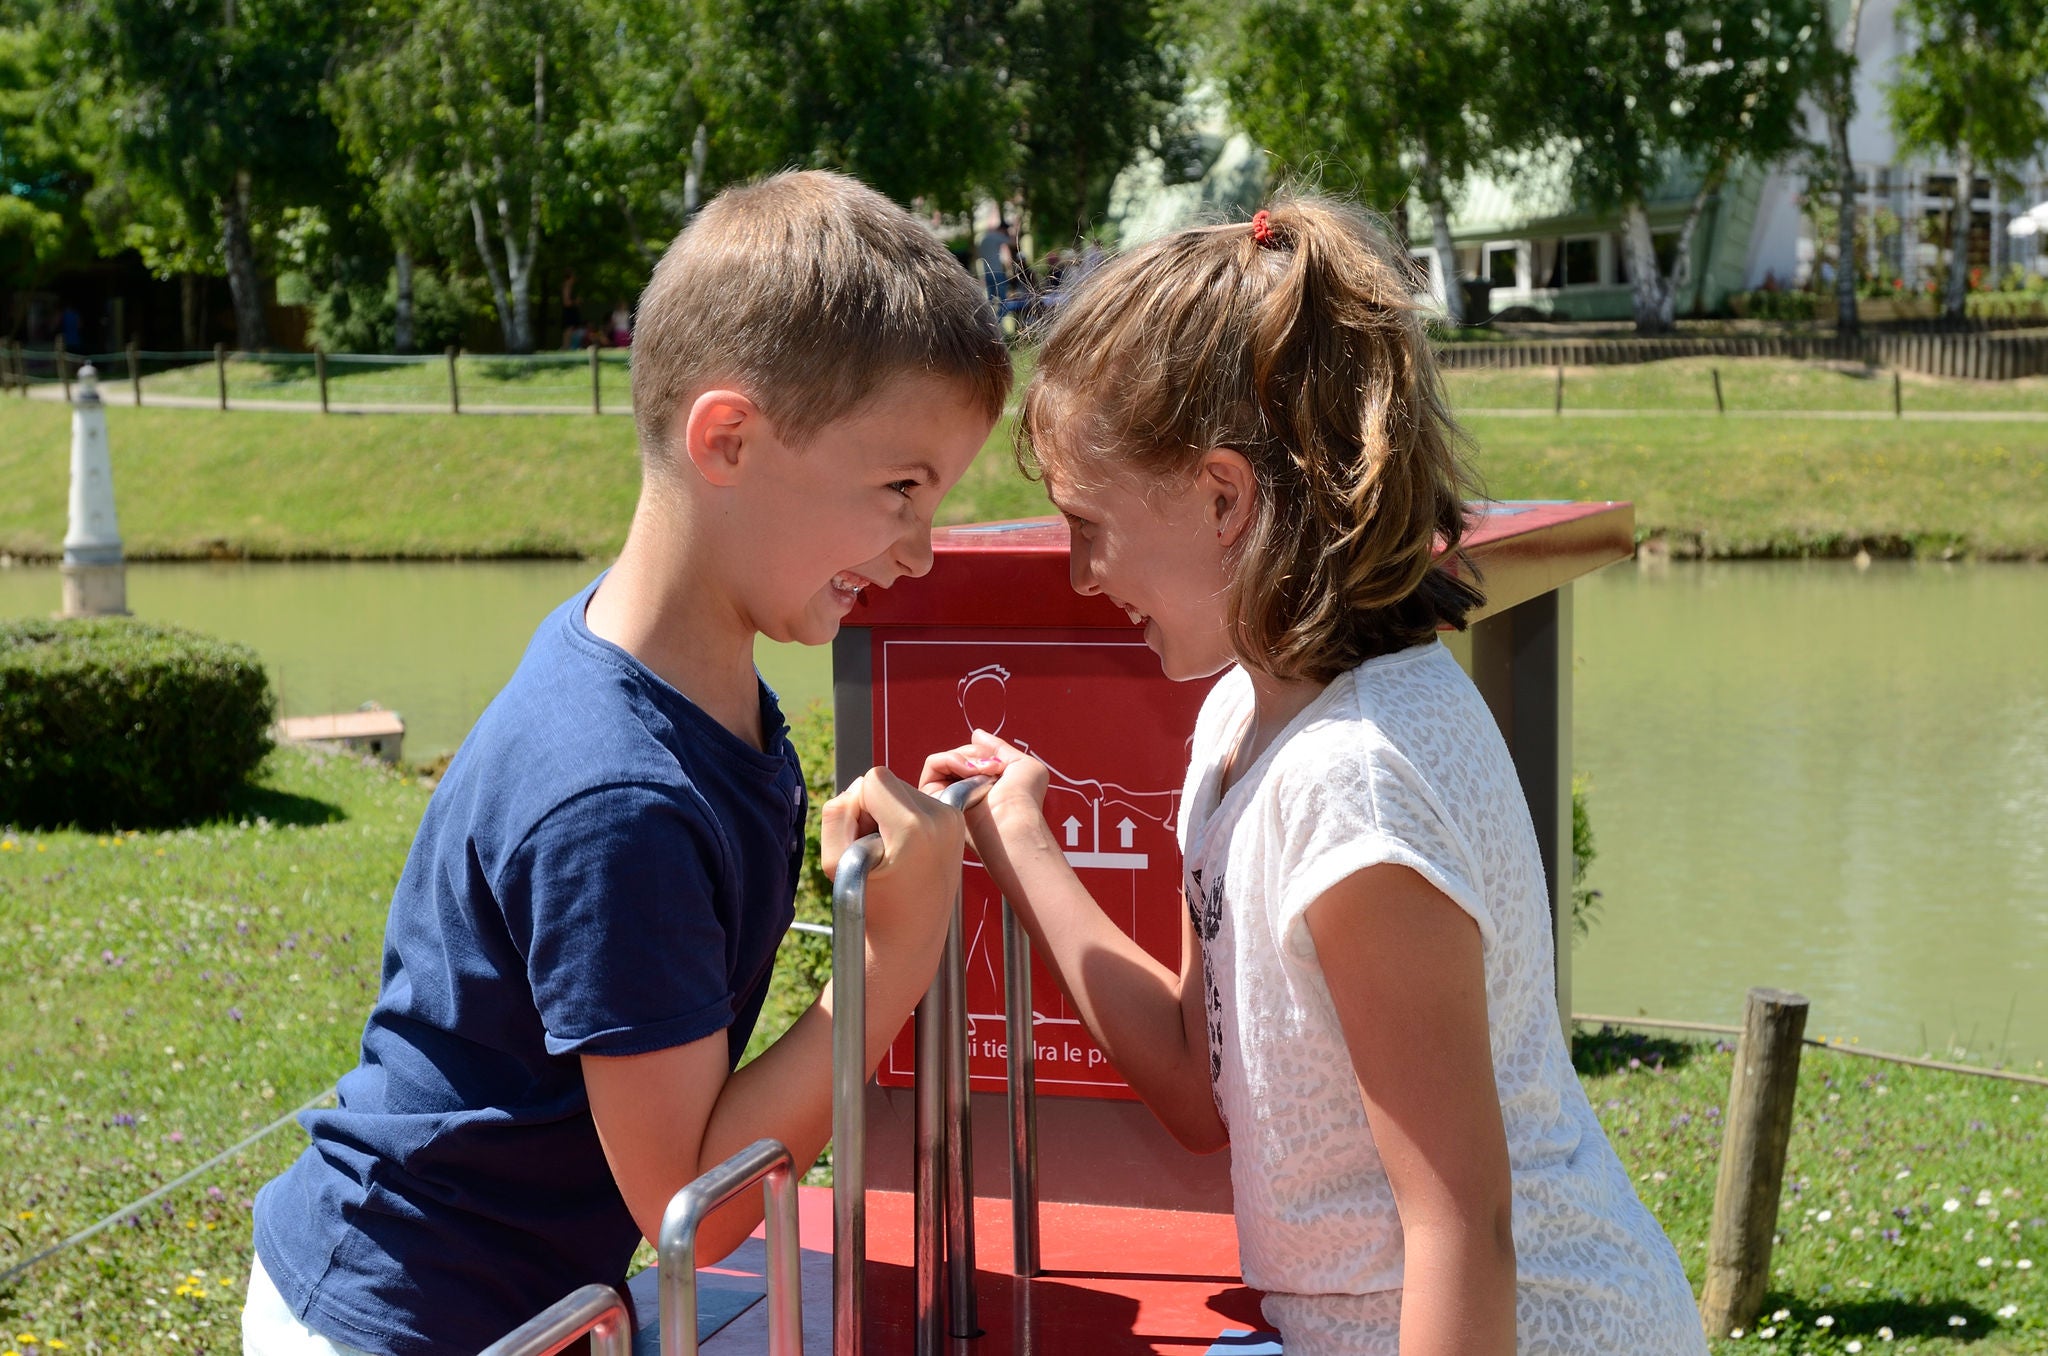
(848, 585)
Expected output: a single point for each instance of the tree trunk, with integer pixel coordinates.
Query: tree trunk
(1841, 107)
(1652, 295)
(1955, 305)
(188, 310)
(1656, 296)
(252, 335)
(1446, 252)
(693, 176)
(401, 324)
(492, 273)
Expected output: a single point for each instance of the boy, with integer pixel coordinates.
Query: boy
(583, 935)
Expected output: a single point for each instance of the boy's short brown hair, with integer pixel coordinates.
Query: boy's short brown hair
(807, 291)
(1297, 341)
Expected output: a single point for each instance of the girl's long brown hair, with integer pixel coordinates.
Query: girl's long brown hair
(1301, 347)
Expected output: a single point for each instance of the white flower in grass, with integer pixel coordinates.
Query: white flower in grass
(1825, 1215)
(1767, 1333)
(1958, 1321)
(1983, 1261)
(2025, 1264)
(1824, 1321)
(1854, 1346)
(1734, 1334)
(2007, 1311)
(1884, 1334)
(1781, 1315)
(1951, 1205)
(1984, 1197)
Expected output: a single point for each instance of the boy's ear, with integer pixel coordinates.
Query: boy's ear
(716, 432)
(1230, 489)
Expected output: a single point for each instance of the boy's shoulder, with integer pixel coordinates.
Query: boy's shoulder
(581, 718)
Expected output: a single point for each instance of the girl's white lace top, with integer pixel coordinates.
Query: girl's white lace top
(1398, 761)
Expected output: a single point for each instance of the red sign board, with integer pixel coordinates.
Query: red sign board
(995, 638)
(1093, 706)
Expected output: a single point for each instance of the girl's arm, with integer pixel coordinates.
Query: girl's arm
(1405, 973)
(1147, 1019)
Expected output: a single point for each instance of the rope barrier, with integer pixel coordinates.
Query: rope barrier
(1715, 1028)
(166, 1189)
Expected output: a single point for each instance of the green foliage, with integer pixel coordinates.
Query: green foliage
(1385, 89)
(362, 318)
(1778, 304)
(108, 723)
(1096, 83)
(1585, 899)
(1972, 77)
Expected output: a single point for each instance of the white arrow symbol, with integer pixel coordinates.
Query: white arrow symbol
(1124, 831)
(1073, 828)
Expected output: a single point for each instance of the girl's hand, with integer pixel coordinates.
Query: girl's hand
(1020, 780)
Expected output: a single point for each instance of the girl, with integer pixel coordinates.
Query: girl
(1246, 434)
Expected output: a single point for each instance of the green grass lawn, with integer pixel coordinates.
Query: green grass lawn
(557, 379)
(194, 483)
(173, 991)
(1748, 385)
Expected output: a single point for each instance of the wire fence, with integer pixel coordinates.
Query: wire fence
(582, 381)
(1520, 379)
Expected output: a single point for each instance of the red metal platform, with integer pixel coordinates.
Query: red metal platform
(1117, 1282)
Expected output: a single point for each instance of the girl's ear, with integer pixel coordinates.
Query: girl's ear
(716, 431)
(1230, 492)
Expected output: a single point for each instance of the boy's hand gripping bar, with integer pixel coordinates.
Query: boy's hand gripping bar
(944, 1143)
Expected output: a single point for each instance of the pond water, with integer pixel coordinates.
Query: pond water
(1803, 774)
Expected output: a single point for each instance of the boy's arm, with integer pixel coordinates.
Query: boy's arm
(666, 1117)
(1406, 974)
(1148, 1019)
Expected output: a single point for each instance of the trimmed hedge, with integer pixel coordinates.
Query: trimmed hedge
(109, 723)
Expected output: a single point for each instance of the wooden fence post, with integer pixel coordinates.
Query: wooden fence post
(20, 368)
(1719, 407)
(220, 371)
(63, 369)
(596, 398)
(1557, 401)
(1755, 1133)
(135, 369)
(454, 390)
(320, 373)
(1898, 397)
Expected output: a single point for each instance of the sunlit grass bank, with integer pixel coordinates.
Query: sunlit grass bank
(196, 483)
(170, 992)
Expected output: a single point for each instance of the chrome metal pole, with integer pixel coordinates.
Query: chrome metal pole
(1022, 1038)
(928, 1181)
(685, 1214)
(963, 1318)
(849, 1077)
(594, 1309)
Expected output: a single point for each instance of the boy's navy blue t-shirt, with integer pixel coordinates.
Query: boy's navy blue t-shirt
(604, 870)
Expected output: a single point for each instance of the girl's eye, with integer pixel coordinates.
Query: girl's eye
(904, 487)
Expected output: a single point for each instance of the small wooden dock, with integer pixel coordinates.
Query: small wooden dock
(374, 732)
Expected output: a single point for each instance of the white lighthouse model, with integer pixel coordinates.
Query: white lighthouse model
(95, 574)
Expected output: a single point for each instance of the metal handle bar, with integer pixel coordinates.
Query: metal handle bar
(595, 1309)
(764, 1158)
(849, 1116)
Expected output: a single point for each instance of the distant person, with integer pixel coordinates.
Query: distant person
(621, 333)
(1244, 429)
(572, 313)
(996, 256)
(581, 941)
(71, 325)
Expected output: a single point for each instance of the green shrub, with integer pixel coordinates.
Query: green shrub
(111, 723)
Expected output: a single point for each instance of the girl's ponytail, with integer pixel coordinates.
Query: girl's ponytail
(1295, 339)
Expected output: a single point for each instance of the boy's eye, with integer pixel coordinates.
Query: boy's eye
(904, 487)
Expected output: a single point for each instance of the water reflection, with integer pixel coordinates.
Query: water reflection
(1803, 774)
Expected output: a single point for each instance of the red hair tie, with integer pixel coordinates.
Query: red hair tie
(1262, 229)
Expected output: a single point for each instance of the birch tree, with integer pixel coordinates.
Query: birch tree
(1636, 94)
(1971, 88)
(1385, 88)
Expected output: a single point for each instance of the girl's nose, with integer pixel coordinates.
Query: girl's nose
(914, 550)
(1080, 569)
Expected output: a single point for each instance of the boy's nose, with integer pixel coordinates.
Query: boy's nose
(914, 551)
(1081, 570)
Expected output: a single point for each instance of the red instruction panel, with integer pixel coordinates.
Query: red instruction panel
(1093, 706)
